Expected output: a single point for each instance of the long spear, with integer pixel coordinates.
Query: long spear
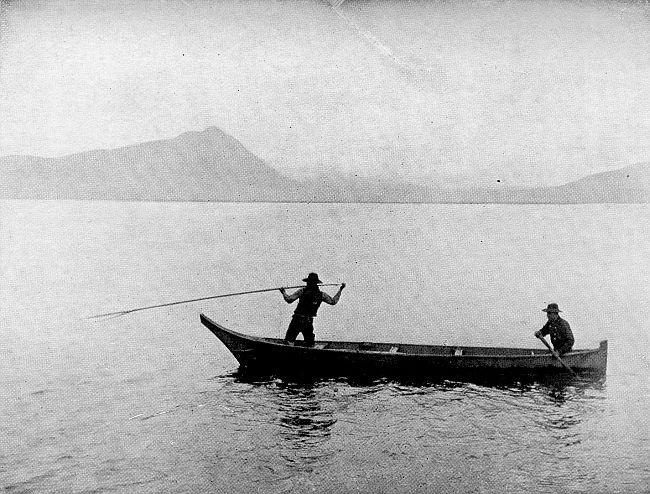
(129, 311)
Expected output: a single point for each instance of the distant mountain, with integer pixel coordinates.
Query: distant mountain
(626, 185)
(213, 166)
(629, 184)
(208, 165)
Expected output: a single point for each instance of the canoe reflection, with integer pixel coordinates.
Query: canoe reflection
(305, 416)
(306, 428)
(302, 414)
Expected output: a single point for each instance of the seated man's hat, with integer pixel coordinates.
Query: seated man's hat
(552, 308)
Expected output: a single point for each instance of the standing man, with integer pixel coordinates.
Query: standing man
(558, 328)
(310, 298)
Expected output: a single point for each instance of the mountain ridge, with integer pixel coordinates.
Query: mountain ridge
(211, 165)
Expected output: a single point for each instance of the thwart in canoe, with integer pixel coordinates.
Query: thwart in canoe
(351, 358)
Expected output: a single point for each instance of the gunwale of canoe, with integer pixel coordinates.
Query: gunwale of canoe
(272, 352)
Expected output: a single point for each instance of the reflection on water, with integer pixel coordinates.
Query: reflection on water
(307, 423)
(293, 422)
(309, 426)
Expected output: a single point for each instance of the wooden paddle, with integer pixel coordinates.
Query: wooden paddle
(556, 355)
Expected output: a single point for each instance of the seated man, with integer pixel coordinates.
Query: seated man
(558, 328)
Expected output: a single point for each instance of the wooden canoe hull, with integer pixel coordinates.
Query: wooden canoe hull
(353, 358)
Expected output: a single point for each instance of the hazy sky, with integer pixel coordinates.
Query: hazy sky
(528, 92)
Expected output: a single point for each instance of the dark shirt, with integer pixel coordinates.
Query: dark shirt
(310, 300)
(561, 335)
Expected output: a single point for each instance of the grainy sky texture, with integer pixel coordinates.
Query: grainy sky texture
(528, 92)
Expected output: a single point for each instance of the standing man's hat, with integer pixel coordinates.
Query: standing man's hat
(312, 278)
(552, 308)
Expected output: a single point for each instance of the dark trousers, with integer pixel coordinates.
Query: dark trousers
(300, 324)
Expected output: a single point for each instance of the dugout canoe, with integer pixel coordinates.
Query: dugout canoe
(342, 358)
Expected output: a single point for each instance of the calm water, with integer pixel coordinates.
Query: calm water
(152, 402)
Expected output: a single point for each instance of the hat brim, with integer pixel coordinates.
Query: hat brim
(552, 311)
(308, 280)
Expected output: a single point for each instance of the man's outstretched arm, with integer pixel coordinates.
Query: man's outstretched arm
(294, 296)
(333, 300)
